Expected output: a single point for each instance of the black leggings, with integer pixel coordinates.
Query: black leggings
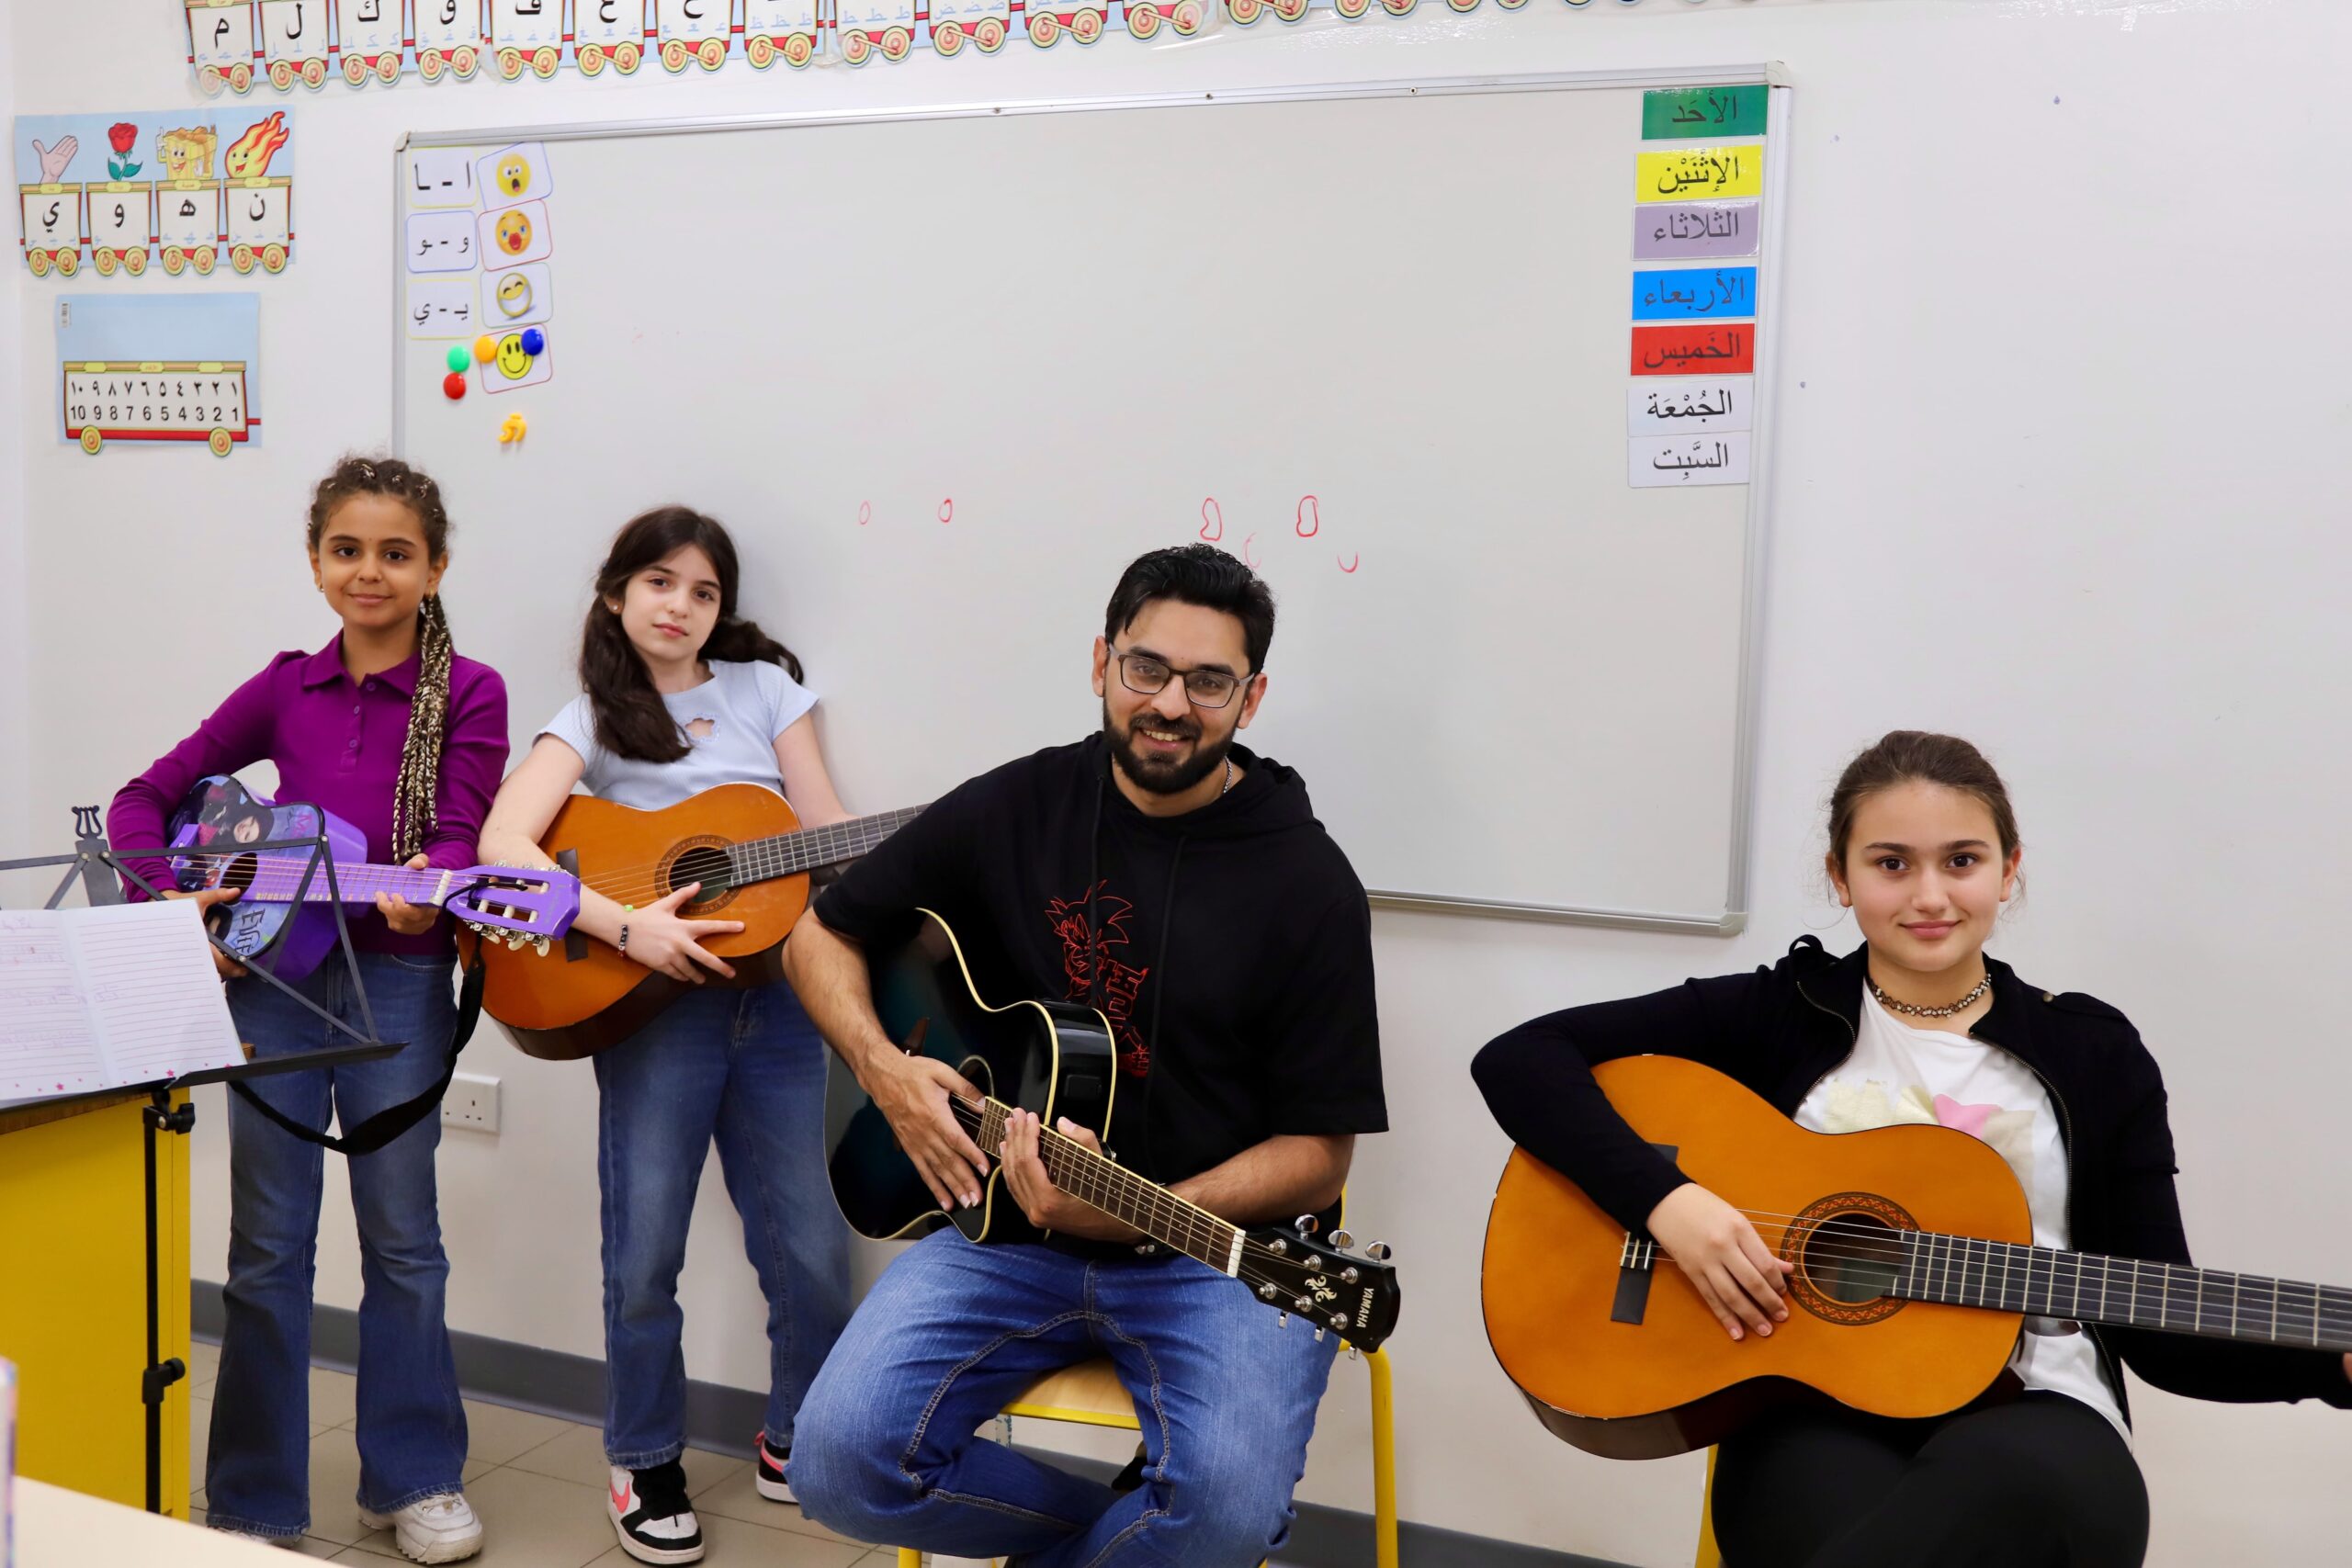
(2042, 1482)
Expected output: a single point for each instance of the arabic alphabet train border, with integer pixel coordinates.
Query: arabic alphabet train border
(240, 51)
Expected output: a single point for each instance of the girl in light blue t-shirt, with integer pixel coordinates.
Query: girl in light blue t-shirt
(681, 694)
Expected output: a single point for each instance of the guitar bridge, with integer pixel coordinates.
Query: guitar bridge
(1636, 1267)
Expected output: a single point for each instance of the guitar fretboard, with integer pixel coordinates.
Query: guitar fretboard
(788, 854)
(277, 880)
(1119, 1192)
(2176, 1298)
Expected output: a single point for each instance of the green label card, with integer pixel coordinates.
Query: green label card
(1703, 111)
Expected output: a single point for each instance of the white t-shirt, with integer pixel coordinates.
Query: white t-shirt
(730, 723)
(1900, 1073)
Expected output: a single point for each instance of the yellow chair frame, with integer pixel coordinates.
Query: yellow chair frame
(1090, 1394)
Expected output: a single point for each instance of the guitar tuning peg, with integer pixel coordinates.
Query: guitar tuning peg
(1304, 1224)
(1378, 1252)
(542, 945)
(1319, 1334)
(1282, 1323)
(1342, 1240)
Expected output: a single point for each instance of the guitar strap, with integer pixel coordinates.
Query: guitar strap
(389, 1123)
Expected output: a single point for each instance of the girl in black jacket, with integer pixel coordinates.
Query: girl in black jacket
(1917, 1025)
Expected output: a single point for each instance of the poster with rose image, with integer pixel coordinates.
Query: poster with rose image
(184, 190)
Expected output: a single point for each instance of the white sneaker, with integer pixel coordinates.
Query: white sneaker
(651, 1514)
(439, 1528)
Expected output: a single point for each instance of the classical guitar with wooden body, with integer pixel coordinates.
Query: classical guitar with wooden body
(740, 841)
(1915, 1272)
(1058, 1060)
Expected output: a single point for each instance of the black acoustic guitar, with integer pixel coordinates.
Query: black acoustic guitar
(1057, 1059)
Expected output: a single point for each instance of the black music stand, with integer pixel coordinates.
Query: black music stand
(101, 872)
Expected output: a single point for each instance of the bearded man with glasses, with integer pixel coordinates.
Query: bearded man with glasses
(1181, 884)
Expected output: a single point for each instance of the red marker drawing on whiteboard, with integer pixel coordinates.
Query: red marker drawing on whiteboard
(1246, 557)
(865, 512)
(1212, 520)
(1310, 517)
(1349, 565)
(947, 510)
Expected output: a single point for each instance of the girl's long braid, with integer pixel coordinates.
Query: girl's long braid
(414, 814)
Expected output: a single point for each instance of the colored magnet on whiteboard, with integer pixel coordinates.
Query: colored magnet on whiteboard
(485, 348)
(534, 342)
(453, 385)
(512, 430)
(458, 357)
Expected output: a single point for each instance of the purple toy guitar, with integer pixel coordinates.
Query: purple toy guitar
(289, 925)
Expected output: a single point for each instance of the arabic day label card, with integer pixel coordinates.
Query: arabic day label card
(1683, 293)
(1689, 173)
(1656, 462)
(159, 368)
(1682, 113)
(1695, 348)
(1657, 407)
(1696, 230)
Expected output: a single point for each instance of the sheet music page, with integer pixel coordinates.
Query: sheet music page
(48, 1045)
(156, 998)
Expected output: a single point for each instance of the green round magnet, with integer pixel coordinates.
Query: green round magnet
(460, 356)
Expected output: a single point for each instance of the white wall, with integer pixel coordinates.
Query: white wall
(2044, 481)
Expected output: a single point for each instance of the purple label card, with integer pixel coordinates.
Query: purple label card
(1681, 228)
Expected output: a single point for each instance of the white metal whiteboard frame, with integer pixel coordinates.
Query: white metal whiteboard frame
(1734, 917)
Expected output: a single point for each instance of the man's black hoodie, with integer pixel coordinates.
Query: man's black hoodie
(1230, 946)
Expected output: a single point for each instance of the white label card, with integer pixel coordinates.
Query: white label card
(1656, 462)
(441, 242)
(1656, 406)
(442, 306)
(442, 176)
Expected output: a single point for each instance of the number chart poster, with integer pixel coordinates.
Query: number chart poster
(184, 189)
(158, 368)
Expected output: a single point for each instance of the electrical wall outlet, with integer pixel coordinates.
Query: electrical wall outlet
(471, 1102)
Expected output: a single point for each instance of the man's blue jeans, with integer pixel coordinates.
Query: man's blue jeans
(412, 1429)
(952, 1332)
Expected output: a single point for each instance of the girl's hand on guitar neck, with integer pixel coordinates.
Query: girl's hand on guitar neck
(661, 940)
(409, 919)
(1725, 1261)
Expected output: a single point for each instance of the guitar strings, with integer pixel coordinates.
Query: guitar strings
(1166, 1207)
(642, 881)
(2149, 1293)
(2326, 1315)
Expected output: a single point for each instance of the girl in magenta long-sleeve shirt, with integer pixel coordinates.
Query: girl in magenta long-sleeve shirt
(388, 730)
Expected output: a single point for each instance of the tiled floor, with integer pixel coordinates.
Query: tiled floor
(537, 1484)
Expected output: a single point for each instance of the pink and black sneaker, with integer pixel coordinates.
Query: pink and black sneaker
(769, 1478)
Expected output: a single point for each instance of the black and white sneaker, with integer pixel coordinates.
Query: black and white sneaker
(651, 1515)
(769, 1478)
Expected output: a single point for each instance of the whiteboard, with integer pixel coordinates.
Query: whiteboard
(943, 373)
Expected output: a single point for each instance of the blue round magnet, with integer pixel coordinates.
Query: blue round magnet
(534, 342)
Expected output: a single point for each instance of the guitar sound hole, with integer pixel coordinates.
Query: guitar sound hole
(1853, 1259)
(705, 864)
